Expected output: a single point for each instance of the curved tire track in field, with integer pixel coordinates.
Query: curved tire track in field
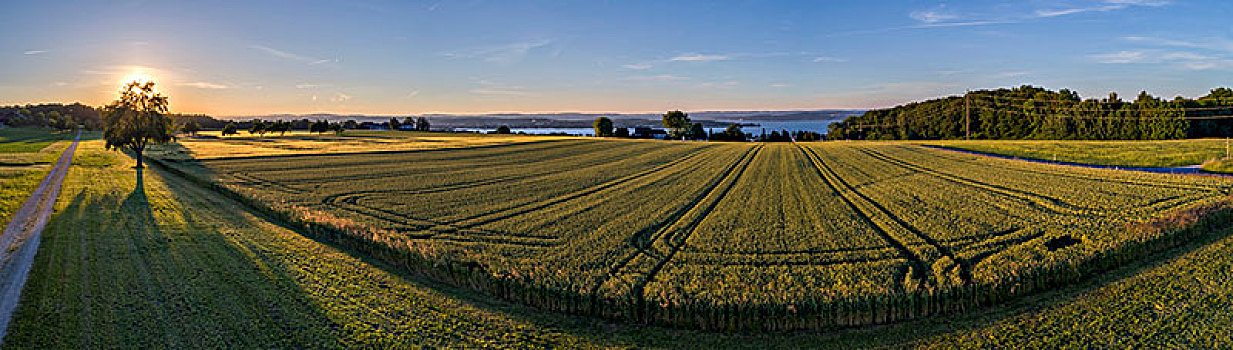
(1047, 203)
(354, 196)
(676, 239)
(446, 170)
(350, 203)
(529, 207)
(20, 240)
(666, 225)
(920, 266)
(1055, 205)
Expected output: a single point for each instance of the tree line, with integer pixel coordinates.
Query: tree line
(52, 115)
(1029, 112)
(680, 127)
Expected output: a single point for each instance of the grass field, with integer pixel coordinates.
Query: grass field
(774, 236)
(206, 144)
(30, 140)
(166, 263)
(26, 155)
(1166, 153)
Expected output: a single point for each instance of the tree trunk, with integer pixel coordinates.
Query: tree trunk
(139, 152)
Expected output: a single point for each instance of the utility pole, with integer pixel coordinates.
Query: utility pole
(967, 116)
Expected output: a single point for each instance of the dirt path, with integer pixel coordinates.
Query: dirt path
(20, 240)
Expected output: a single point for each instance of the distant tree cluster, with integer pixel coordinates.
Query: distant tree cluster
(56, 116)
(807, 136)
(1029, 112)
(261, 127)
(190, 127)
(731, 133)
(776, 136)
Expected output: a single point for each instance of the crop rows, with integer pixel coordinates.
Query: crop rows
(729, 236)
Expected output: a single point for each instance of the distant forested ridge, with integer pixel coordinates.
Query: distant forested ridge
(1029, 112)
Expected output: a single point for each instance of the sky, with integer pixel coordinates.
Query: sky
(473, 56)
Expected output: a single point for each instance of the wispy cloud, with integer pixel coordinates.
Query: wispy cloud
(638, 66)
(699, 58)
(1105, 6)
(1222, 45)
(1008, 75)
(340, 97)
(935, 15)
(828, 59)
(506, 53)
(412, 94)
(658, 77)
(493, 88)
(1148, 56)
(34, 52)
(1208, 54)
(312, 61)
(943, 17)
(720, 84)
(310, 86)
(205, 85)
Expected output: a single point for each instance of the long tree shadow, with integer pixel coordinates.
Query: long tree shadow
(139, 271)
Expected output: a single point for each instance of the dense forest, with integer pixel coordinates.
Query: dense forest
(1029, 112)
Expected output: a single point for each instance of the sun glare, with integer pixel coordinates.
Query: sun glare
(138, 77)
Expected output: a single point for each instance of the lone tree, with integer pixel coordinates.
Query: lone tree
(603, 127)
(504, 129)
(230, 129)
(394, 124)
(678, 122)
(137, 119)
(191, 127)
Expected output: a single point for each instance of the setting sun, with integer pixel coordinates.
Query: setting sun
(138, 77)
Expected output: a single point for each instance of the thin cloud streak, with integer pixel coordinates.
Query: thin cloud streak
(206, 85)
(291, 56)
(660, 77)
(699, 58)
(507, 53)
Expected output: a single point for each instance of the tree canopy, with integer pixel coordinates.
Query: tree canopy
(191, 127)
(678, 123)
(137, 119)
(603, 126)
(1029, 112)
(230, 129)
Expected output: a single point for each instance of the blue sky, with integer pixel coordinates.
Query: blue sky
(472, 56)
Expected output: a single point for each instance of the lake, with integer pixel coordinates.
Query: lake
(819, 126)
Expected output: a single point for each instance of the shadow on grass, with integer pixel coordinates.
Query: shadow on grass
(126, 270)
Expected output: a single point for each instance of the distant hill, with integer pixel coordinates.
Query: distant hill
(567, 120)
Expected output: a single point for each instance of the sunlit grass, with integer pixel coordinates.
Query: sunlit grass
(1115, 153)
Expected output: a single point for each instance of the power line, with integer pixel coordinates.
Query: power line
(1213, 117)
